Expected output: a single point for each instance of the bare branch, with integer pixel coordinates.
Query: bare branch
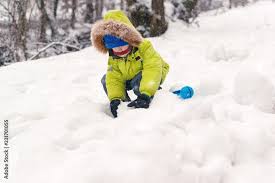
(7, 10)
(3, 6)
(52, 44)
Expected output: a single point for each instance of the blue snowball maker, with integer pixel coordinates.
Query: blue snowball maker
(185, 92)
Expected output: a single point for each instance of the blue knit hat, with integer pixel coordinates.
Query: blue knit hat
(113, 41)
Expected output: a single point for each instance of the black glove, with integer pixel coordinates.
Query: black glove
(114, 106)
(143, 101)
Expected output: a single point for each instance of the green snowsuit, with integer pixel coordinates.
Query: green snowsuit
(143, 58)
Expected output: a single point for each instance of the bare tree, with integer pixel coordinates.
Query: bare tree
(110, 5)
(44, 21)
(22, 27)
(73, 16)
(235, 3)
(16, 12)
(98, 9)
(186, 10)
(158, 22)
(204, 5)
(89, 17)
(122, 6)
(55, 7)
(130, 2)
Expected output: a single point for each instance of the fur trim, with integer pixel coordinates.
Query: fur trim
(121, 30)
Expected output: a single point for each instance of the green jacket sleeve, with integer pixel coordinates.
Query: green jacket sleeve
(115, 83)
(152, 69)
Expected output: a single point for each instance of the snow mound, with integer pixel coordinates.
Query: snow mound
(61, 129)
(225, 53)
(252, 88)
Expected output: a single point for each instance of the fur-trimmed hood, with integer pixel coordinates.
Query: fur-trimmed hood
(115, 23)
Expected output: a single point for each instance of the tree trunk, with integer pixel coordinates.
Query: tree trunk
(21, 32)
(55, 7)
(73, 17)
(16, 37)
(99, 9)
(122, 4)
(89, 17)
(44, 21)
(131, 2)
(111, 5)
(158, 23)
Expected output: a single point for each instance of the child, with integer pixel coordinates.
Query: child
(133, 63)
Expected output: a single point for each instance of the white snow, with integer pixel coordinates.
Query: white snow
(61, 130)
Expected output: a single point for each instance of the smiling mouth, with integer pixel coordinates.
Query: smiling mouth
(123, 52)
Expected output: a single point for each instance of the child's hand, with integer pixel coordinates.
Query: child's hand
(143, 101)
(114, 106)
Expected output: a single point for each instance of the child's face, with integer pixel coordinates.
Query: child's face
(121, 51)
(121, 48)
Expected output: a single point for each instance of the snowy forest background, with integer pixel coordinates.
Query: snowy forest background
(32, 29)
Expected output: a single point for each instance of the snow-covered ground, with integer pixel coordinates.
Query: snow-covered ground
(61, 130)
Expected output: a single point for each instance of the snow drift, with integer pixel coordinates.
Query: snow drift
(61, 130)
